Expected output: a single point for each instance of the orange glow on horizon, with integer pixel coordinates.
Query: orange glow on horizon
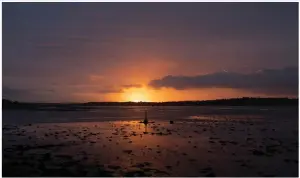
(136, 95)
(146, 94)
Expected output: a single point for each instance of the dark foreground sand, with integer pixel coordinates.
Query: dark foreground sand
(196, 146)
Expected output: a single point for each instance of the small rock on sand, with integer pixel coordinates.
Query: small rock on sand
(127, 151)
(258, 153)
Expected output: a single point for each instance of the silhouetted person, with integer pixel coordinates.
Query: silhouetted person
(145, 122)
(146, 119)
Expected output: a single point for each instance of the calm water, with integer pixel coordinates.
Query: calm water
(157, 113)
(110, 141)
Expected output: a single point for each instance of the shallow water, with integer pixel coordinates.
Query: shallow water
(110, 141)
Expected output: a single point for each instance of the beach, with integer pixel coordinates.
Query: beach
(111, 141)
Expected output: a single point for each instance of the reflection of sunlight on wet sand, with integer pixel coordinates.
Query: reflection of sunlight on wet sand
(178, 148)
(225, 143)
(152, 146)
(116, 138)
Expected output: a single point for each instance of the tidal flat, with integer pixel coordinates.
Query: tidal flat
(111, 141)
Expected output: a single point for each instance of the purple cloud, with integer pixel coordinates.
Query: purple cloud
(268, 81)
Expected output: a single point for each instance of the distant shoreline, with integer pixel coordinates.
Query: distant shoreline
(8, 104)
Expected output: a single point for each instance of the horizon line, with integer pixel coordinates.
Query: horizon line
(33, 102)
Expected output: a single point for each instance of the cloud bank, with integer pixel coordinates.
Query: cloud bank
(269, 81)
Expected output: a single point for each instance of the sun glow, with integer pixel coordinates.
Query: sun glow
(137, 95)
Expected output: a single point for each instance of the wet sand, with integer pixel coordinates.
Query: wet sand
(210, 145)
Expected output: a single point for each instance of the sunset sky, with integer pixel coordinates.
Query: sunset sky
(78, 52)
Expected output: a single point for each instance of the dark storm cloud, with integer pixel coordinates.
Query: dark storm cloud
(269, 81)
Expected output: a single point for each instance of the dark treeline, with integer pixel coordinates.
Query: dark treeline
(245, 101)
